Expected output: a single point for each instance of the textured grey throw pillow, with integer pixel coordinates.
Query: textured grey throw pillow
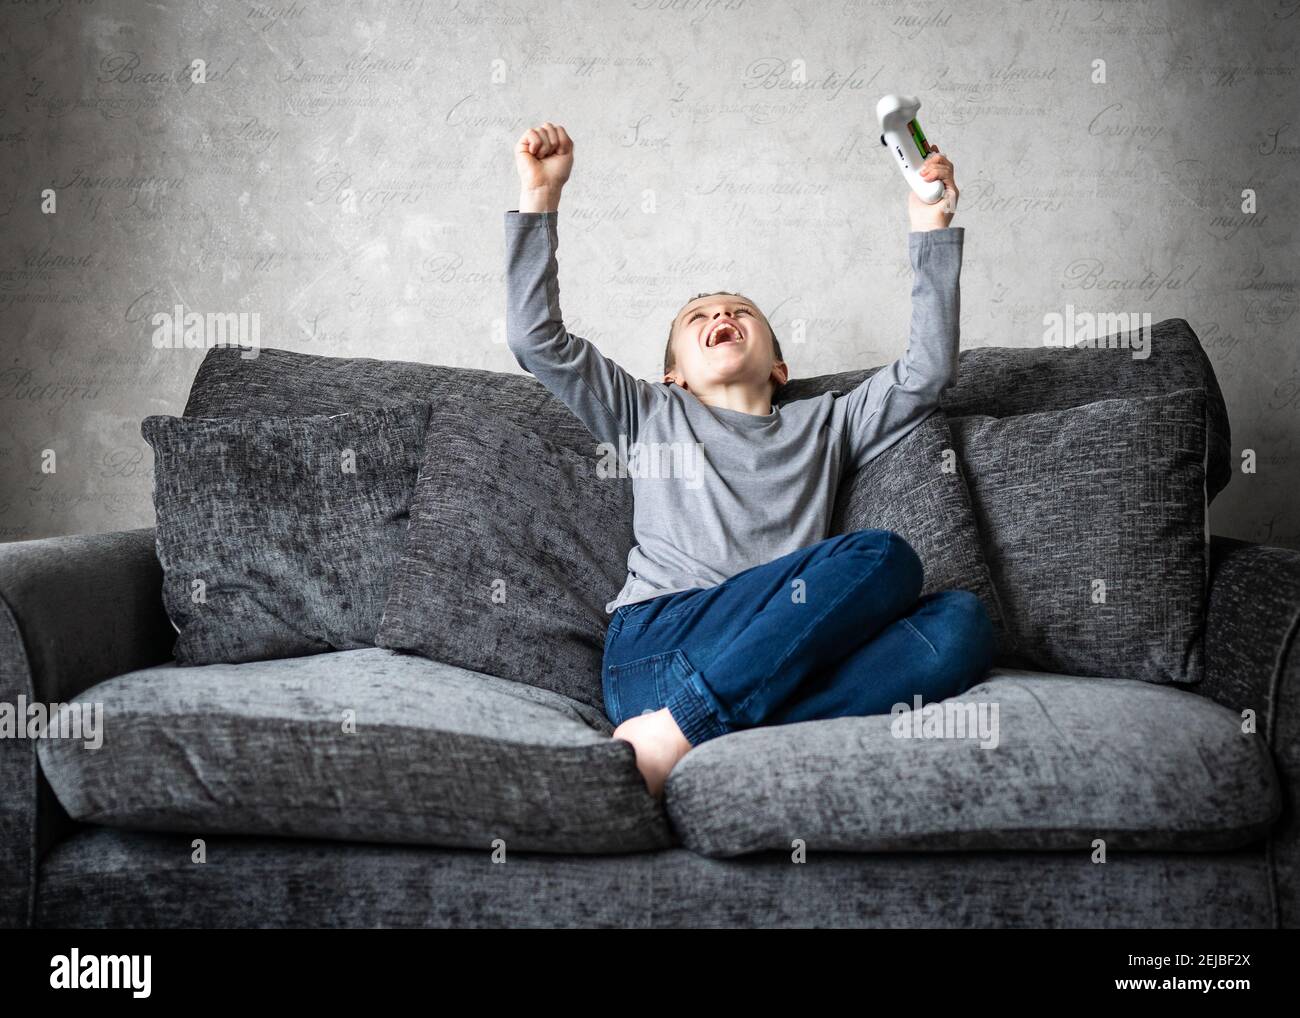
(1094, 523)
(916, 489)
(514, 544)
(278, 536)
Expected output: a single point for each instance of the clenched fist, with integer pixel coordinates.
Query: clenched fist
(544, 158)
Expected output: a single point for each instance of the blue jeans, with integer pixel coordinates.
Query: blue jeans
(831, 630)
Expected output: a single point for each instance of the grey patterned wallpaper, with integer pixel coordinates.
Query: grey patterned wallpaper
(333, 175)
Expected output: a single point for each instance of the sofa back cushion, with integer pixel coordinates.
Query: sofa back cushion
(994, 384)
(515, 545)
(282, 382)
(992, 381)
(916, 489)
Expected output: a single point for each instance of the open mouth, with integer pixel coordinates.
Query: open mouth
(723, 332)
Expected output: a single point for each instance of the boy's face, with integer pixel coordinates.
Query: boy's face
(723, 340)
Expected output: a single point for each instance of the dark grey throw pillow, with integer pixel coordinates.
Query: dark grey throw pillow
(1095, 529)
(916, 488)
(278, 536)
(513, 545)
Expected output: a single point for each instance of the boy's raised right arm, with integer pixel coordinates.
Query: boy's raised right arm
(607, 399)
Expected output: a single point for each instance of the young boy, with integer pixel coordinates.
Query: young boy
(738, 610)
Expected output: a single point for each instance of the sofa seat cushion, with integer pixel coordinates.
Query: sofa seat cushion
(1054, 763)
(358, 745)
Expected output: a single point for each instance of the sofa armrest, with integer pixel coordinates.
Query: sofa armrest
(1252, 660)
(73, 611)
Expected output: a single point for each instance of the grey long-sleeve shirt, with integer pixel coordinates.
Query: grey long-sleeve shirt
(717, 491)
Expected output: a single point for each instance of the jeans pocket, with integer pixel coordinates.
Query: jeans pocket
(641, 685)
(638, 612)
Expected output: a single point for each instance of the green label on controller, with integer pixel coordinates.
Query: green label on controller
(918, 136)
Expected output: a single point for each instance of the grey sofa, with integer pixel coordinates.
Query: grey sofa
(523, 812)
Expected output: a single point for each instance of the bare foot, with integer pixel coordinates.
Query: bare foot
(659, 744)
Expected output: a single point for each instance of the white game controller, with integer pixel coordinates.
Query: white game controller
(902, 135)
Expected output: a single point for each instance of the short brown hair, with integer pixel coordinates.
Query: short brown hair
(670, 360)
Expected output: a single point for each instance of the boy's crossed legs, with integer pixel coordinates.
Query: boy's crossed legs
(839, 631)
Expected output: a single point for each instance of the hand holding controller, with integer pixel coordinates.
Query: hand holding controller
(903, 137)
(929, 174)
